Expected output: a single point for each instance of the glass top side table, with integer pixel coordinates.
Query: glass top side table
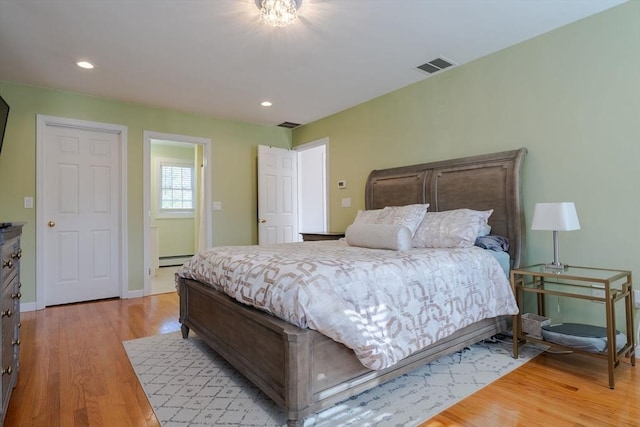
(578, 282)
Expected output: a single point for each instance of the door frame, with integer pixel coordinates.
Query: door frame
(146, 193)
(42, 121)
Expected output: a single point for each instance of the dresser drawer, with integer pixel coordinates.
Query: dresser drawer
(8, 311)
(10, 261)
(8, 365)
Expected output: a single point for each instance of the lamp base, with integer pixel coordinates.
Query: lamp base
(556, 266)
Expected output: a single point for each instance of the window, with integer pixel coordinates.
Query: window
(176, 188)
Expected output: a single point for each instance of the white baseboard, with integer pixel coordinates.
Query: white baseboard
(27, 306)
(134, 294)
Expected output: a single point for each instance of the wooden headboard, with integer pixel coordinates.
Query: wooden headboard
(490, 181)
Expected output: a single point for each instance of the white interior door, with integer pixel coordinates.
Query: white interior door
(81, 215)
(277, 195)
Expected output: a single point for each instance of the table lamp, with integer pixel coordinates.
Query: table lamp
(560, 216)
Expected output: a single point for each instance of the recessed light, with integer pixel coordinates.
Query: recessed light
(266, 104)
(84, 64)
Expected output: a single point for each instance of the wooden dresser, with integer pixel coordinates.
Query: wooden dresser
(10, 311)
(322, 235)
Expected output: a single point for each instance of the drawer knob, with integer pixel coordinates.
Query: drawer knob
(17, 254)
(15, 342)
(7, 313)
(18, 295)
(8, 370)
(8, 264)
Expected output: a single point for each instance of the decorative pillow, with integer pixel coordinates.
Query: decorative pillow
(379, 236)
(457, 228)
(367, 217)
(410, 216)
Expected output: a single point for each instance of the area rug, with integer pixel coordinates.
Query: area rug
(188, 384)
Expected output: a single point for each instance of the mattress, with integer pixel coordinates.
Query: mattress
(383, 304)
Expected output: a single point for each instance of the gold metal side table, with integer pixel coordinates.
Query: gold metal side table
(578, 282)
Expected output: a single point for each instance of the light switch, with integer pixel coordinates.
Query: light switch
(216, 206)
(342, 185)
(28, 202)
(346, 202)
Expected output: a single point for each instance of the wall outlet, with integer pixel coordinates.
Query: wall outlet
(636, 298)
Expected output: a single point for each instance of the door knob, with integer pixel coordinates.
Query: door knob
(262, 220)
(51, 224)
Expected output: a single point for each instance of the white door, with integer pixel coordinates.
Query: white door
(81, 214)
(277, 195)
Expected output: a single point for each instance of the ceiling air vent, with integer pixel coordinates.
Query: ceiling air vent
(436, 65)
(289, 125)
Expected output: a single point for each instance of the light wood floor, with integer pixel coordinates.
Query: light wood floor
(74, 372)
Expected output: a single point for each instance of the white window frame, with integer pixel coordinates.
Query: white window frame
(175, 213)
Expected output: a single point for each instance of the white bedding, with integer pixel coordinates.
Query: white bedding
(385, 305)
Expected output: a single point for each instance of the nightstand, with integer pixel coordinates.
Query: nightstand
(591, 284)
(322, 235)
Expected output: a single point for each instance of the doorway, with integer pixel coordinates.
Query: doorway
(292, 192)
(81, 222)
(177, 182)
(313, 186)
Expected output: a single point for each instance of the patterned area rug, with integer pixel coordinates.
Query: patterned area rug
(188, 384)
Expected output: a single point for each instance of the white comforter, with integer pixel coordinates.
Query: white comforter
(383, 304)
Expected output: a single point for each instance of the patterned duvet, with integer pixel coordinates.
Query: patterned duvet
(383, 304)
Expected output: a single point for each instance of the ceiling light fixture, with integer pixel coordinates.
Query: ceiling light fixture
(278, 13)
(266, 104)
(84, 64)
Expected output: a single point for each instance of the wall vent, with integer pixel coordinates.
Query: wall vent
(289, 125)
(436, 65)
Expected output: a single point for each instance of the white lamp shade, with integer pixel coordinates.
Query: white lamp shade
(555, 216)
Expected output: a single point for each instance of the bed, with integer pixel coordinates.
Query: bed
(304, 371)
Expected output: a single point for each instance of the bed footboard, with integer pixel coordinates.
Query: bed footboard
(301, 370)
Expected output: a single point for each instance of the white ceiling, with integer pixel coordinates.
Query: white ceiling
(216, 57)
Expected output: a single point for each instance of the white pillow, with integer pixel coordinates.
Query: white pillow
(457, 228)
(485, 230)
(379, 236)
(410, 216)
(367, 217)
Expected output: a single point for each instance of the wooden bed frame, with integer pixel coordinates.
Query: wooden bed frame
(302, 370)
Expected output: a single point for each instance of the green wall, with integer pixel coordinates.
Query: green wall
(571, 96)
(234, 161)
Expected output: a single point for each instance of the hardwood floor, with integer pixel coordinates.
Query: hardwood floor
(552, 390)
(74, 372)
